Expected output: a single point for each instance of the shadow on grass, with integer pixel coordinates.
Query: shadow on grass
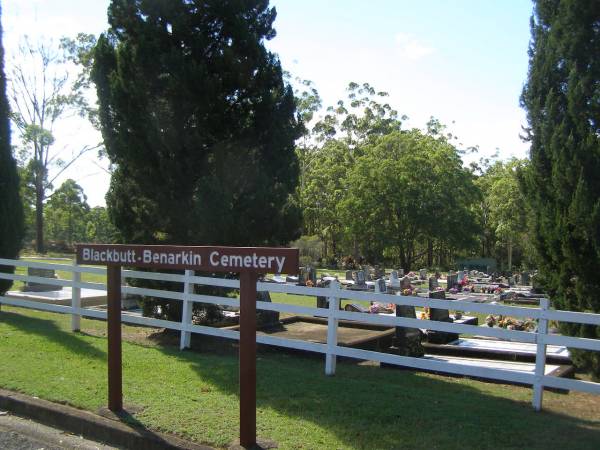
(369, 407)
(48, 329)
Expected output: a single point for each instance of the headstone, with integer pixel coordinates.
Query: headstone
(379, 272)
(511, 281)
(440, 315)
(303, 278)
(452, 280)
(394, 280)
(525, 279)
(422, 274)
(264, 318)
(349, 275)
(433, 283)
(31, 286)
(400, 272)
(405, 283)
(380, 286)
(312, 275)
(460, 275)
(407, 341)
(367, 272)
(323, 302)
(360, 278)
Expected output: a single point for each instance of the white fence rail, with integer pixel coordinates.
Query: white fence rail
(538, 380)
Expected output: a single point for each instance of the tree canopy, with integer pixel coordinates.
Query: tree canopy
(198, 123)
(406, 190)
(563, 186)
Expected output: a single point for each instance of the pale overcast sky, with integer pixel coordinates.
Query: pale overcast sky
(462, 61)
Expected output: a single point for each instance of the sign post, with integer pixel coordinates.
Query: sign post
(113, 319)
(248, 359)
(249, 262)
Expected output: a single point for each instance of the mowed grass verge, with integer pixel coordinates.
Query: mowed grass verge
(194, 394)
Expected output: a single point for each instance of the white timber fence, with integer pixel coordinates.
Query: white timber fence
(540, 337)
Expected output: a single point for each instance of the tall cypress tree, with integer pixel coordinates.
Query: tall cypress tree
(11, 212)
(197, 122)
(562, 99)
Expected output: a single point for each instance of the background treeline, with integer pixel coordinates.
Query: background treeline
(374, 192)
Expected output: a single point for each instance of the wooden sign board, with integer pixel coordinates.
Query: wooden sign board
(249, 262)
(203, 258)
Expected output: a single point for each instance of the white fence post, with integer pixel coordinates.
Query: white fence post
(186, 316)
(332, 329)
(75, 299)
(540, 358)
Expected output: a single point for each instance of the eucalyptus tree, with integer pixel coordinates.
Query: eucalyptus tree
(406, 189)
(42, 93)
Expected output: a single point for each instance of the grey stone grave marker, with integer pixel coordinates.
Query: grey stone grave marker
(422, 274)
(265, 318)
(405, 283)
(360, 278)
(394, 280)
(433, 283)
(452, 280)
(440, 315)
(31, 286)
(407, 341)
(380, 286)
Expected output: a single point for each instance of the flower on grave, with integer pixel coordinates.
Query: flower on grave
(407, 291)
(453, 291)
(464, 281)
(374, 308)
(309, 283)
(424, 316)
(439, 288)
(498, 290)
(467, 289)
(391, 306)
(490, 320)
(411, 274)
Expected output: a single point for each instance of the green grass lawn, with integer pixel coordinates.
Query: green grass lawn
(194, 394)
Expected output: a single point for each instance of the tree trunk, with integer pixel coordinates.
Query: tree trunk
(430, 253)
(510, 249)
(39, 221)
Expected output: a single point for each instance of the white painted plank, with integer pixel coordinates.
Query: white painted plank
(572, 385)
(438, 364)
(571, 316)
(570, 341)
(296, 309)
(61, 309)
(153, 276)
(448, 327)
(43, 280)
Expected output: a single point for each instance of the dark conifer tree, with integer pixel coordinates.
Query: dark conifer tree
(197, 122)
(11, 212)
(562, 99)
